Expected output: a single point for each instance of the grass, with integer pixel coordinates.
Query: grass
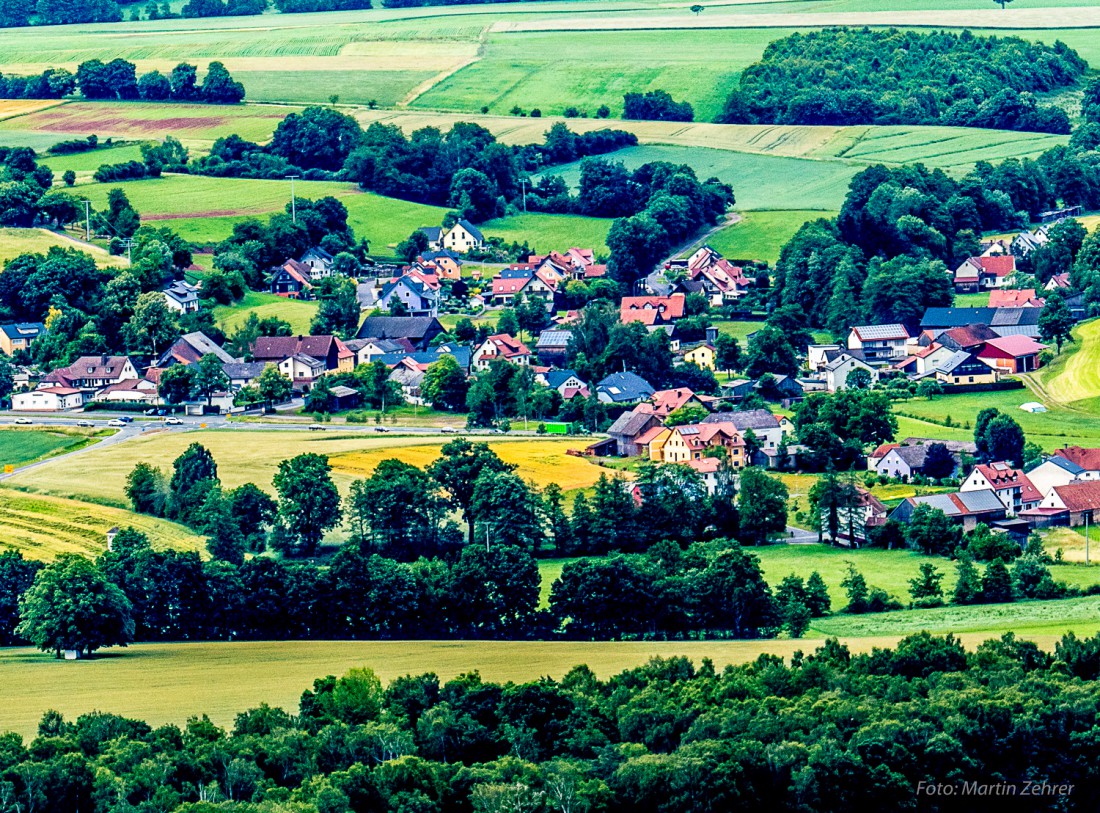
(99, 475)
(297, 312)
(761, 235)
(759, 181)
(739, 330)
(544, 232)
(44, 526)
(18, 446)
(88, 162)
(1074, 375)
(14, 242)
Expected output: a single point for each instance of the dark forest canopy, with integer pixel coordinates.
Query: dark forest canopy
(828, 732)
(861, 76)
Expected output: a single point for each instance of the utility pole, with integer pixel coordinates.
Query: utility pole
(87, 221)
(293, 203)
(129, 242)
(1086, 538)
(523, 184)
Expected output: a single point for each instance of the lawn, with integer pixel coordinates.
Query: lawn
(43, 526)
(298, 312)
(759, 181)
(14, 242)
(739, 330)
(100, 474)
(1075, 374)
(761, 235)
(544, 233)
(19, 446)
(85, 163)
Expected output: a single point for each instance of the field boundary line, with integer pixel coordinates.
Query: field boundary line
(428, 84)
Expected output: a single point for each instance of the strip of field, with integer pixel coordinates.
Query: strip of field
(10, 108)
(99, 475)
(44, 526)
(1075, 375)
(14, 242)
(761, 235)
(22, 445)
(297, 312)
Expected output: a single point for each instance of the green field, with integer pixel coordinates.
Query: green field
(14, 242)
(544, 232)
(19, 446)
(88, 162)
(1072, 380)
(761, 235)
(299, 313)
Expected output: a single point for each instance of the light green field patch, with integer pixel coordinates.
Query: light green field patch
(295, 311)
(761, 235)
(1075, 374)
(14, 242)
(543, 232)
(88, 162)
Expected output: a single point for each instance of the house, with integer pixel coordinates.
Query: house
(48, 399)
(329, 350)
(501, 346)
(131, 391)
(552, 346)
(1011, 486)
(963, 368)
(1087, 459)
(302, 370)
(292, 280)
(18, 336)
(1058, 282)
(738, 389)
(703, 355)
(818, 355)
(927, 359)
(464, 236)
(182, 297)
(417, 297)
(369, 350)
(1026, 242)
(652, 310)
(880, 344)
(346, 397)
(781, 388)
(629, 427)
(967, 337)
(243, 374)
(91, 372)
(694, 441)
(567, 383)
(855, 519)
(1012, 354)
(537, 285)
(1080, 500)
(985, 272)
(967, 508)
(623, 388)
(1011, 298)
(191, 347)
(418, 330)
(836, 372)
(435, 237)
(409, 376)
(448, 265)
(652, 442)
(319, 263)
(905, 460)
(765, 427)
(426, 358)
(665, 402)
(1056, 471)
(709, 470)
(1002, 321)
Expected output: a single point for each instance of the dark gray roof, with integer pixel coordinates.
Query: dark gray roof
(554, 338)
(244, 369)
(555, 378)
(957, 317)
(625, 387)
(433, 232)
(398, 327)
(952, 445)
(460, 354)
(631, 424)
(472, 229)
(748, 419)
(23, 330)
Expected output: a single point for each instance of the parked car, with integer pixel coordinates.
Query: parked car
(84, 423)
(381, 428)
(173, 421)
(117, 422)
(316, 427)
(23, 420)
(126, 419)
(448, 430)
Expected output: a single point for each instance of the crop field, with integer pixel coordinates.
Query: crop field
(761, 235)
(99, 475)
(89, 162)
(14, 242)
(44, 526)
(295, 311)
(20, 446)
(10, 108)
(1074, 376)
(543, 232)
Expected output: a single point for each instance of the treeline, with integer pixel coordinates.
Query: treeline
(864, 76)
(888, 254)
(18, 13)
(52, 83)
(828, 731)
(118, 79)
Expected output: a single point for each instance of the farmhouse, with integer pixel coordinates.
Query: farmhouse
(1012, 354)
(703, 356)
(329, 351)
(1080, 501)
(694, 441)
(191, 347)
(629, 427)
(182, 297)
(766, 427)
(652, 310)
(48, 399)
(665, 402)
(983, 273)
(967, 508)
(20, 336)
(552, 346)
(418, 330)
(879, 344)
(501, 346)
(963, 368)
(902, 461)
(1012, 486)
(91, 372)
(242, 374)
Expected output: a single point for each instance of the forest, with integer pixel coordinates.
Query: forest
(864, 76)
(829, 731)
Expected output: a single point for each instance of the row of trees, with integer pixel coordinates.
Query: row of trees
(828, 731)
(865, 76)
(118, 79)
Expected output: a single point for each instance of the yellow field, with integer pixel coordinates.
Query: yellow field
(14, 242)
(43, 527)
(254, 456)
(19, 107)
(167, 683)
(1075, 376)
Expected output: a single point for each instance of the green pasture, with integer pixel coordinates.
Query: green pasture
(14, 242)
(297, 312)
(761, 235)
(543, 232)
(19, 446)
(1072, 380)
(92, 160)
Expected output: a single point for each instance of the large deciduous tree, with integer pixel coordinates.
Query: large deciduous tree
(309, 503)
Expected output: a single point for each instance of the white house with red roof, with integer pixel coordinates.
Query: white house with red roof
(983, 273)
(665, 402)
(501, 346)
(1015, 298)
(1013, 488)
(48, 399)
(652, 310)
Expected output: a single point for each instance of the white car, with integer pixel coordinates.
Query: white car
(381, 429)
(172, 421)
(84, 423)
(316, 427)
(23, 420)
(117, 423)
(448, 430)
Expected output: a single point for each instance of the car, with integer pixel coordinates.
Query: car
(173, 421)
(151, 411)
(85, 423)
(116, 422)
(23, 420)
(448, 430)
(381, 429)
(316, 427)
(126, 419)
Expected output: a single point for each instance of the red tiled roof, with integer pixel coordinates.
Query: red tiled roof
(668, 401)
(1015, 346)
(1002, 477)
(663, 308)
(1000, 265)
(1088, 459)
(1083, 496)
(1024, 298)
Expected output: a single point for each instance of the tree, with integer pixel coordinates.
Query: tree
(176, 383)
(728, 353)
(153, 325)
(938, 461)
(929, 388)
(253, 509)
(997, 584)
(856, 587)
(398, 510)
(1002, 3)
(770, 352)
(194, 473)
(16, 577)
(696, 9)
(925, 588)
(145, 488)
(687, 414)
(338, 313)
(1056, 322)
(273, 387)
(413, 246)
(219, 87)
(931, 532)
(506, 510)
(1003, 439)
(209, 377)
(316, 138)
(457, 470)
(445, 385)
(968, 585)
(72, 606)
(508, 322)
(763, 506)
(309, 503)
(817, 595)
